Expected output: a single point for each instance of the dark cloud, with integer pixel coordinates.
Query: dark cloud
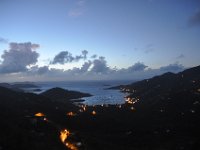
(137, 67)
(93, 70)
(97, 66)
(63, 57)
(194, 20)
(66, 57)
(36, 70)
(43, 70)
(18, 57)
(84, 54)
(2, 40)
(172, 68)
(85, 67)
(98, 69)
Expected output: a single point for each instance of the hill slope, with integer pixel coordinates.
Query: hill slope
(62, 94)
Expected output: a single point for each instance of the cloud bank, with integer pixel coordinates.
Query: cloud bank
(20, 62)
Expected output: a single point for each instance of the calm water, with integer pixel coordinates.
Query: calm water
(96, 88)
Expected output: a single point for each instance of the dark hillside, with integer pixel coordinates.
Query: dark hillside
(59, 93)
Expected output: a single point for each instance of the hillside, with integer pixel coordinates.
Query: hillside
(19, 129)
(159, 113)
(62, 94)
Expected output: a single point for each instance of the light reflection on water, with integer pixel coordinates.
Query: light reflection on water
(96, 88)
(105, 97)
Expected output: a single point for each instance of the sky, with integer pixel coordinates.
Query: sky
(56, 40)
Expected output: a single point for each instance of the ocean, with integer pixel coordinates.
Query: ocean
(97, 88)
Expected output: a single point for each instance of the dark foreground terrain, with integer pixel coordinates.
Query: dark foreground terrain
(161, 113)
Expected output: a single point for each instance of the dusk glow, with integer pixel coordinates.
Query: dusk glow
(92, 40)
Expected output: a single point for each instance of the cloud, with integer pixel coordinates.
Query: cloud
(176, 67)
(19, 57)
(137, 67)
(85, 67)
(92, 70)
(66, 57)
(194, 20)
(82, 56)
(63, 57)
(36, 70)
(2, 40)
(43, 70)
(99, 66)
(94, 56)
(18, 62)
(84, 53)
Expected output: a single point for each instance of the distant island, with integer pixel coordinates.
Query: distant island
(19, 86)
(62, 94)
(159, 113)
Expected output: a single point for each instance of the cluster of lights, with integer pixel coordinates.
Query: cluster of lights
(71, 113)
(131, 100)
(64, 134)
(127, 90)
(83, 108)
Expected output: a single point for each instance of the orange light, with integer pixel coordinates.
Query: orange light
(63, 135)
(71, 146)
(94, 112)
(39, 114)
(71, 113)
